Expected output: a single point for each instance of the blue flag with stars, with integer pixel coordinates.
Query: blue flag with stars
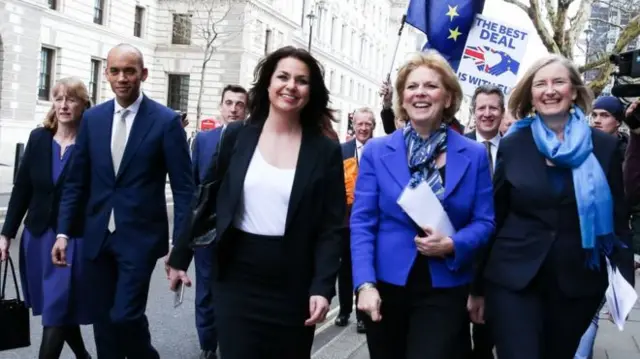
(446, 24)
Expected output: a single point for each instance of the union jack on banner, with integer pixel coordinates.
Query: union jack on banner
(476, 53)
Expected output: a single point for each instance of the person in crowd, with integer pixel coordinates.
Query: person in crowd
(507, 121)
(412, 281)
(543, 275)
(232, 108)
(364, 123)
(58, 294)
(487, 106)
(631, 172)
(607, 115)
(120, 190)
(276, 265)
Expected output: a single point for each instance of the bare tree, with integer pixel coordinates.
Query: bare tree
(209, 25)
(560, 32)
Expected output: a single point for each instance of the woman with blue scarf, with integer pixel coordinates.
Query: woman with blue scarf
(414, 282)
(560, 210)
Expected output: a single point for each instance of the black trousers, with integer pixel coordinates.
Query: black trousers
(419, 321)
(257, 313)
(540, 321)
(345, 280)
(482, 343)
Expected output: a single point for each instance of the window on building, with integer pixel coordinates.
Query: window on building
(98, 12)
(178, 92)
(267, 41)
(44, 79)
(53, 4)
(137, 22)
(181, 29)
(94, 80)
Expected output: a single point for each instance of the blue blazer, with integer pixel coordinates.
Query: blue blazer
(382, 234)
(204, 146)
(157, 146)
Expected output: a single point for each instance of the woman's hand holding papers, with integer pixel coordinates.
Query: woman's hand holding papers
(434, 244)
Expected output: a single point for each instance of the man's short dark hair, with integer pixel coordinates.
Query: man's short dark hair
(487, 90)
(232, 88)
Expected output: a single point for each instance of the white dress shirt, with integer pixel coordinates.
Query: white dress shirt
(133, 111)
(358, 153)
(495, 142)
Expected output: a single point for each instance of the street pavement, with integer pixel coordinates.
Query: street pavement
(172, 330)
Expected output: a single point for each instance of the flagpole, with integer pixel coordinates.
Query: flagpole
(395, 52)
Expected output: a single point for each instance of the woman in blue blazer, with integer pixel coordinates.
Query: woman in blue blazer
(413, 282)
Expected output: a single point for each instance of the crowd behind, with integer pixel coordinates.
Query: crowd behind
(539, 191)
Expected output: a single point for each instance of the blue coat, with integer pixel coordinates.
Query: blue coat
(382, 235)
(204, 146)
(156, 146)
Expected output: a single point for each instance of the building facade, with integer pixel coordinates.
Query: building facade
(42, 41)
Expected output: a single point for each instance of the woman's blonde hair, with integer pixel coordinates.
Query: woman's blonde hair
(520, 100)
(72, 87)
(433, 60)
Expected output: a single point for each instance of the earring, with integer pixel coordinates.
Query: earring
(572, 109)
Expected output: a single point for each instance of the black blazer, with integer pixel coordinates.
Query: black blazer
(534, 223)
(34, 191)
(314, 219)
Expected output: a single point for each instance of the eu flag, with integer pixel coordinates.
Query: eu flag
(446, 24)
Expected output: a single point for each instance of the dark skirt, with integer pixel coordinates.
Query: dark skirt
(258, 314)
(56, 293)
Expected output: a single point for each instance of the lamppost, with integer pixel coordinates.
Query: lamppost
(311, 16)
(589, 35)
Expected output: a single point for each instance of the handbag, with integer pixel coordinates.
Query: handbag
(15, 331)
(202, 226)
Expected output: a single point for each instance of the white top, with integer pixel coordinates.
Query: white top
(495, 142)
(117, 111)
(265, 198)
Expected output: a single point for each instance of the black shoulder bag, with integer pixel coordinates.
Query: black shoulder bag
(14, 315)
(202, 227)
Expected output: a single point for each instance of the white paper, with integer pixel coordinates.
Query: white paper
(620, 297)
(424, 208)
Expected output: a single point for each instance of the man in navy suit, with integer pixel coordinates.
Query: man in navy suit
(232, 108)
(124, 151)
(364, 123)
(487, 106)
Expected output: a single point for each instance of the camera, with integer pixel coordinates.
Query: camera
(628, 66)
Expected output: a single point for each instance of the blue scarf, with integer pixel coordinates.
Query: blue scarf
(593, 195)
(422, 154)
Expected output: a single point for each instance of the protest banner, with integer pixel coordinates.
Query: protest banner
(492, 55)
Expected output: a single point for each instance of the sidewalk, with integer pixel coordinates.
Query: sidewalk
(610, 343)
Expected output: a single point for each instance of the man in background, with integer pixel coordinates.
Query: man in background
(607, 116)
(364, 123)
(487, 106)
(232, 108)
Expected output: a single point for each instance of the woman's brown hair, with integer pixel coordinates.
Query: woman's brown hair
(520, 99)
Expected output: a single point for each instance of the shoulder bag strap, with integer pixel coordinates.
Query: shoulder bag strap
(8, 262)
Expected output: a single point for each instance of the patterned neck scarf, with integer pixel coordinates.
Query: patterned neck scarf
(422, 154)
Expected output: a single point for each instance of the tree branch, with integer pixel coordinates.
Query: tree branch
(630, 33)
(551, 11)
(595, 19)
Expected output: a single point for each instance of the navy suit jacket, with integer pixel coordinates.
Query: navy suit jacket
(204, 146)
(536, 223)
(157, 146)
(382, 234)
(348, 149)
(35, 193)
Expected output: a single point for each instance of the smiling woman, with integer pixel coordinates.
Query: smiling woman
(412, 281)
(280, 209)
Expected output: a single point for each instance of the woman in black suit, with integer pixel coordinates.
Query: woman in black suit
(280, 209)
(57, 294)
(560, 209)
